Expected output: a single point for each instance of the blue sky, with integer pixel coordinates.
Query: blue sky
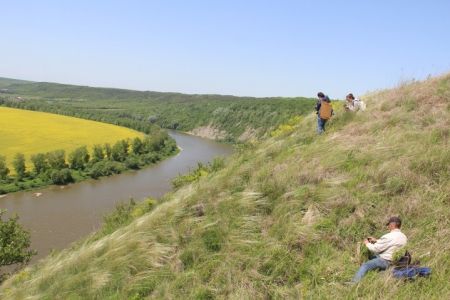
(255, 48)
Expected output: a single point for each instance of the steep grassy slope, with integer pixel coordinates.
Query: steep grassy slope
(223, 117)
(283, 218)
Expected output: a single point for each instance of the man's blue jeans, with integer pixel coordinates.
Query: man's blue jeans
(373, 264)
(320, 125)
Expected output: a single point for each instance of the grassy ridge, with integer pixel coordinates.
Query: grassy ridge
(30, 132)
(283, 218)
(233, 118)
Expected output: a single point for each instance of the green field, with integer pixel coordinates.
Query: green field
(31, 132)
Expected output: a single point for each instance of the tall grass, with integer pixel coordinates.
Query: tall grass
(284, 217)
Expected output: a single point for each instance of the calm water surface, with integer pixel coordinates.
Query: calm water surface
(61, 215)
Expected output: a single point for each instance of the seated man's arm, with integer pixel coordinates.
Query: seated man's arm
(381, 245)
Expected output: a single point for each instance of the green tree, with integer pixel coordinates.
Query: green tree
(132, 162)
(119, 151)
(78, 158)
(19, 165)
(39, 162)
(63, 176)
(125, 146)
(108, 150)
(14, 242)
(137, 146)
(97, 153)
(57, 159)
(4, 170)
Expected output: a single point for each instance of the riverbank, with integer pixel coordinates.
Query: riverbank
(61, 216)
(55, 168)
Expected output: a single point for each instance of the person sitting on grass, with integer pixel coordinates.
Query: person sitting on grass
(353, 104)
(383, 248)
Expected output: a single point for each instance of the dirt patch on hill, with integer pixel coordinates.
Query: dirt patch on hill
(209, 132)
(248, 134)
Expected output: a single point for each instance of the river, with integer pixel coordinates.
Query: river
(62, 215)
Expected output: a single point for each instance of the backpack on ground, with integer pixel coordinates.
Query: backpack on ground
(403, 261)
(325, 110)
(411, 272)
(404, 268)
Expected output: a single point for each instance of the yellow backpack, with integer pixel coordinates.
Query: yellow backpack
(325, 110)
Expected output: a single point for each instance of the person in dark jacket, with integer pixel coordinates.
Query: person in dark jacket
(321, 120)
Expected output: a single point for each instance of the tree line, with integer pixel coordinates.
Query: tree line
(56, 167)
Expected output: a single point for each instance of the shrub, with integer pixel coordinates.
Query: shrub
(4, 170)
(151, 158)
(119, 217)
(132, 162)
(63, 176)
(79, 158)
(119, 151)
(57, 159)
(105, 168)
(19, 165)
(14, 242)
(39, 161)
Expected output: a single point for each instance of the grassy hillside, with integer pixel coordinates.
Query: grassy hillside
(6, 82)
(283, 218)
(31, 132)
(227, 118)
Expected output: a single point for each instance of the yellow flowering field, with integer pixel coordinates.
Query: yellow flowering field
(31, 132)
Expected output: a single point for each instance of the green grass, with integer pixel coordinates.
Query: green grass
(283, 218)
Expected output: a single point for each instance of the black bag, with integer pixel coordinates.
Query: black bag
(403, 261)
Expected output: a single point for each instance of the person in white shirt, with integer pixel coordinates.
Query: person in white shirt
(353, 104)
(383, 248)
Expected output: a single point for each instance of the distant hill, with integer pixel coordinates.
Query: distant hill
(283, 217)
(6, 82)
(220, 117)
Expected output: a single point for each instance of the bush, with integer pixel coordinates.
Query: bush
(106, 168)
(124, 213)
(78, 158)
(14, 242)
(63, 176)
(151, 158)
(119, 217)
(4, 170)
(132, 162)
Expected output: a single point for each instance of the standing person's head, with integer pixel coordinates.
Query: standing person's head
(320, 95)
(394, 223)
(350, 97)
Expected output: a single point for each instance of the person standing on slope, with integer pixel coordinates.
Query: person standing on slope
(324, 111)
(383, 248)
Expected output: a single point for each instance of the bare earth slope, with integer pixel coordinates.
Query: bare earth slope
(283, 218)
